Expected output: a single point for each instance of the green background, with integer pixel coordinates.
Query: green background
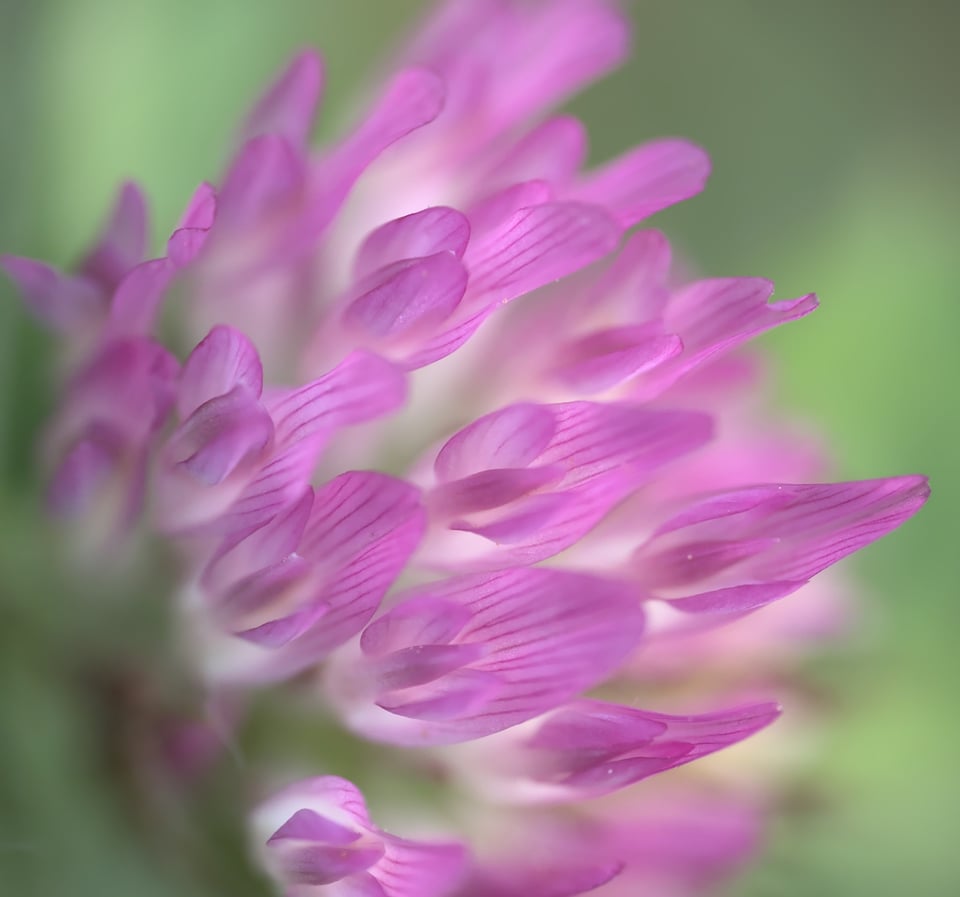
(834, 132)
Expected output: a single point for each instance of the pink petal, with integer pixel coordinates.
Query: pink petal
(413, 99)
(138, 297)
(606, 358)
(437, 229)
(265, 174)
(592, 748)
(60, 300)
(510, 438)
(715, 316)
(191, 234)
(362, 530)
(123, 241)
(224, 360)
(646, 180)
(407, 295)
(551, 152)
(545, 636)
(537, 246)
(361, 388)
(222, 435)
(328, 839)
(779, 535)
(287, 107)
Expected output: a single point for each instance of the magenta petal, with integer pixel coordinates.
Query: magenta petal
(287, 107)
(646, 180)
(407, 295)
(537, 246)
(222, 361)
(65, 302)
(123, 242)
(433, 230)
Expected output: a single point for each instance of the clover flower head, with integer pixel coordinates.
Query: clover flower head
(446, 443)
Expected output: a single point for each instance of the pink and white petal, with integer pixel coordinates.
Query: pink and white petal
(222, 361)
(288, 106)
(646, 180)
(424, 233)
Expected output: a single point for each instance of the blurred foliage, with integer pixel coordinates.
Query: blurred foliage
(834, 135)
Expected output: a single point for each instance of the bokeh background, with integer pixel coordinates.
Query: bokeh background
(835, 137)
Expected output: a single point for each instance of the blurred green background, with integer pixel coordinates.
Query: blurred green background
(835, 137)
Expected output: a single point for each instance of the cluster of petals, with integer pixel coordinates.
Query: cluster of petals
(467, 545)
